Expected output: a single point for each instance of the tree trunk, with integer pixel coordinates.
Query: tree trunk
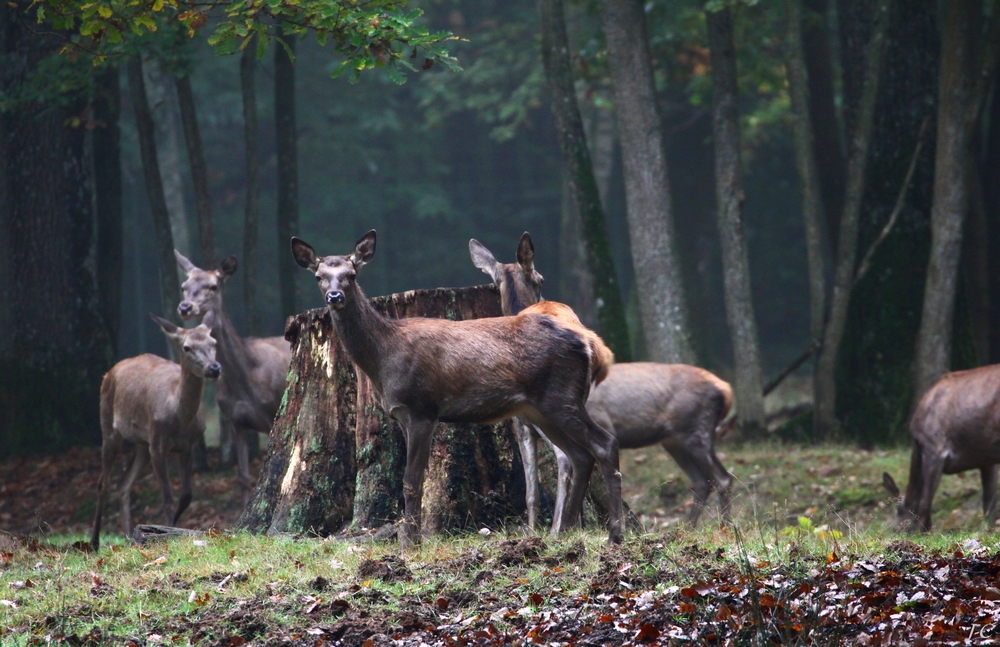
(729, 198)
(828, 152)
(55, 346)
(108, 193)
(991, 201)
(962, 86)
(659, 285)
(825, 385)
(335, 459)
(170, 289)
(580, 175)
(199, 170)
(812, 200)
(576, 285)
(248, 64)
(286, 140)
(160, 90)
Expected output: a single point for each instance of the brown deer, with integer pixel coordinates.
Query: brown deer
(683, 408)
(256, 368)
(482, 370)
(955, 427)
(156, 405)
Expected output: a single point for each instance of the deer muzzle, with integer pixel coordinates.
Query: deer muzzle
(213, 371)
(185, 309)
(335, 298)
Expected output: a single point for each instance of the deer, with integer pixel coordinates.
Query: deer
(680, 407)
(255, 368)
(537, 366)
(156, 405)
(955, 427)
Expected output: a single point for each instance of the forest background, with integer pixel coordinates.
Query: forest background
(451, 155)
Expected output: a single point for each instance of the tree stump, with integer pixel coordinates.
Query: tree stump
(336, 460)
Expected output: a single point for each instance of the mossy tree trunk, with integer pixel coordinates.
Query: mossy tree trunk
(335, 459)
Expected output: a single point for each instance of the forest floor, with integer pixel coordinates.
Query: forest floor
(811, 557)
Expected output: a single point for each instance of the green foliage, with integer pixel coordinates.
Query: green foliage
(373, 34)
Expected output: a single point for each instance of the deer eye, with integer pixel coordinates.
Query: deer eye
(351, 275)
(213, 288)
(318, 278)
(187, 349)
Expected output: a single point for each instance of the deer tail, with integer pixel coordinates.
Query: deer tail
(728, 421)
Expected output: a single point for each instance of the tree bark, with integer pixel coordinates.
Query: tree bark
(580, 175)
(199, 170)
(286, 140)
(659, 285)
(809, 177)
(729, 197)
(108, 192)
(825, 385)
(964, 74)
(335, 459)
(248, 65)
(576, 285)
(828, 151)
(160, 89)
(991, 202)
(170, 289)
(55, 345)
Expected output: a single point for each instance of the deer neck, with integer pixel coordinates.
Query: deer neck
(365, 333)
(189, 394)
(232, 353)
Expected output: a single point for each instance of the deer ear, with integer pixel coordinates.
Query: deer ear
(483, 258)
(364, 249)
(183, 261)
(890, 485)
(169, 327)
(227, 267)
(304, 254)
(526, 252)
(209, 320)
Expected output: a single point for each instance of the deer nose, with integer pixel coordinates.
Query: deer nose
(184, 308)
(335, 297)
(214, 370)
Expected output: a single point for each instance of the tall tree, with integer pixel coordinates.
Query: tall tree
(288, 169)
(809, 177)
(967, 65)
(55, 346)
(825, 385)
(662, 303)
(199, 170)
(106, 143)
(170, 287)
(729, 204)
(828, 151)
(248, 65)
(580, 176)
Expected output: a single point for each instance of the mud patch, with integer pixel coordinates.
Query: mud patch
(388, 569)
(521, 551)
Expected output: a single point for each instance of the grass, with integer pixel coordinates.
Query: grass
(223, 589)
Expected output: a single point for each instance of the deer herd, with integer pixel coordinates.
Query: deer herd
(537, 364)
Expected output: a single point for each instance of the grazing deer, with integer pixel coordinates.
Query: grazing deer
(483, 370)
(681, 407)
(256, 368)
(955, 427)
(156, 405)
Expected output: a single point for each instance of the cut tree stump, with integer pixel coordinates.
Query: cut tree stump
(335, 460)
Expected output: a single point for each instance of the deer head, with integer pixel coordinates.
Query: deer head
(905, 518)
(520, 284)
(202, 291)
(195, 347)
(335, 275)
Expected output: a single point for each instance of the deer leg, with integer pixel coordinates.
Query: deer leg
(109, 451)
(158, 458)
(140, 458)
(989, 478)
(186, 461)
(418, 452)
(528, 444)
(242, 463)
(914, 489)
(701, 485)
(565, 478)
(724, 486)
(932, 467)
